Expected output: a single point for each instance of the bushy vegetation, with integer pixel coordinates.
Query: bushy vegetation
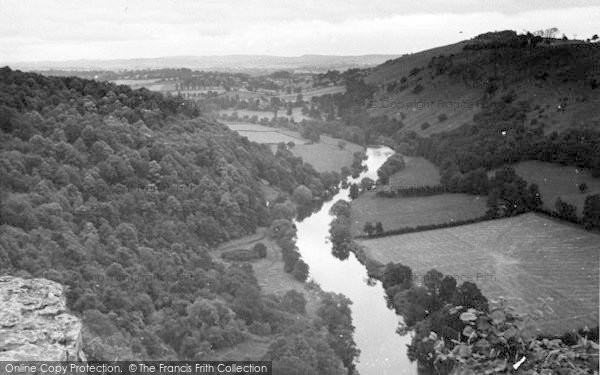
(339, 230)
(119, 195)
(457, 331)
(413, 191)
(392, 165)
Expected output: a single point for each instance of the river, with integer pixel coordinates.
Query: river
(382, 350)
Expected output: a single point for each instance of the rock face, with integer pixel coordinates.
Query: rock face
(34, 324)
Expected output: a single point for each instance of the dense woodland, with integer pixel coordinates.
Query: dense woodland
(120, 195)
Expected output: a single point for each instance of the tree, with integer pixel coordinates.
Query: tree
(583, 187)
(396, 275)
(302, 196)
(369, 228)
(591, 212)
(294, 301)
(260, 249)
(379, 228)
(340, 208)
(300, 271)
(433, 281)
(447, 288)
(367, 183)
(354, 191)
(565, 210)
(469, 295)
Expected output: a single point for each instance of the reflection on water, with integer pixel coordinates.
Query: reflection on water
(382, 350)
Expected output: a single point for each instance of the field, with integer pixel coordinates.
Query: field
(418, 172)
(558, 181)
(269, 271)
(541, 266)
(325, 155)
(265, 134)
(394, 213)
(150, 84)
(308, 94)
(272, 280)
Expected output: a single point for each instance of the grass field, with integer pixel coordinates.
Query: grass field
(325, 155)
(269, 271)
(539, 265)
(558, 181)
(265, 134)
(272, 280)
(418, 172)
(396, 213)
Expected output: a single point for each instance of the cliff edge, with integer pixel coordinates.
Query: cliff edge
(34, 324)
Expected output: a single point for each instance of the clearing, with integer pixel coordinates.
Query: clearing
(556, 180)
(394, 213)
(326, 155)
(264, 134)
(541, 266)
(417, 172)
(272, 280)
(269, 271)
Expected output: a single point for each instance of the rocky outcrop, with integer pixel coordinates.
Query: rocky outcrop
(34, 324)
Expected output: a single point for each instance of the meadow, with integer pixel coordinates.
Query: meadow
(264, 134)
(394, 213)
(272, 280)
(326, 155)
(417, 172)
(556, 180)
(541, 266)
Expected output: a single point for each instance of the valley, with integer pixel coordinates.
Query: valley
(436, 212)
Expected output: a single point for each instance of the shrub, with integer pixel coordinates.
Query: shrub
(260, 249)
(425, 125)
(442, 117)
(294, 301)
(300, 271)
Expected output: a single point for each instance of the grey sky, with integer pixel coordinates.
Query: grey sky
(33, 30)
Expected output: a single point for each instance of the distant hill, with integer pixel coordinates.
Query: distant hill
(442, 88)
(235, 63)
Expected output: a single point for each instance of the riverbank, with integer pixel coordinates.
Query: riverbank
(269, 271)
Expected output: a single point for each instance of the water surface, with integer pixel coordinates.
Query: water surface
(383, 352)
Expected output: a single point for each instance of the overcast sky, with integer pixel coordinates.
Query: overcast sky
(34, 30)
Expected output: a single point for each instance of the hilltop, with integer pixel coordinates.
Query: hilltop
(443, 88)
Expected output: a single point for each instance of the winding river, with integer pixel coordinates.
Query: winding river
(382, 350)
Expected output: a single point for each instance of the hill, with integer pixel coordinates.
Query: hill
(442, 88)
(120, 195)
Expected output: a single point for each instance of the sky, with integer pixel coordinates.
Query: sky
(57, 30)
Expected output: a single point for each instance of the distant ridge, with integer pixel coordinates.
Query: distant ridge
(312, 63)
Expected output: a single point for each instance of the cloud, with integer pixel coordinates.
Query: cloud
(66, 29)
